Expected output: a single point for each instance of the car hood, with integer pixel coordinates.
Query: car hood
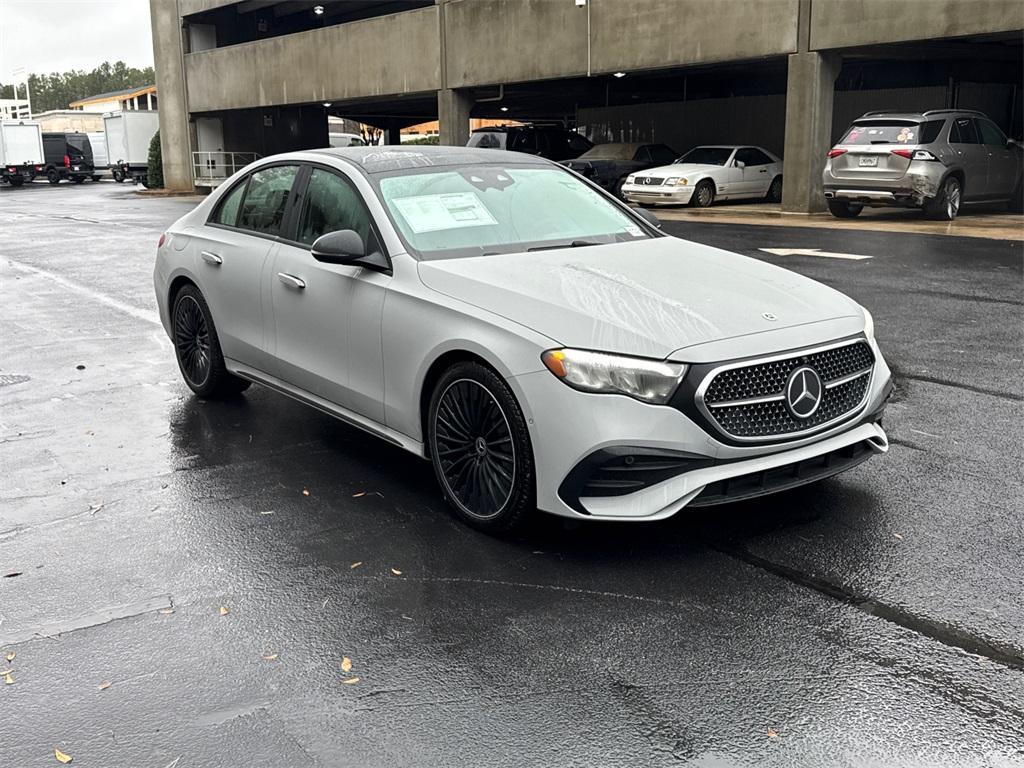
(648, 298)
(682, 169)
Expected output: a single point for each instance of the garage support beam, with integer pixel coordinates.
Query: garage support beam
(809, 91)
(393, 135)
(170, 80)
(453, 108)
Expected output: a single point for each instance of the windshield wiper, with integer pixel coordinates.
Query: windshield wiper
(573, 244)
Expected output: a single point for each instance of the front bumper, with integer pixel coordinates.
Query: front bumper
(647, 194)
(569, 428)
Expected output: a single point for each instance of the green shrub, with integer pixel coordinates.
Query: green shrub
(155, 172)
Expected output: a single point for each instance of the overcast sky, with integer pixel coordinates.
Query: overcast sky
(57, 35)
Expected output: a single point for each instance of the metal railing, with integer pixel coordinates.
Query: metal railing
(211, 168)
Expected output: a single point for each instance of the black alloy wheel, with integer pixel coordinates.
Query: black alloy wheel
(480, 448)
(197, 348)
(946, 205)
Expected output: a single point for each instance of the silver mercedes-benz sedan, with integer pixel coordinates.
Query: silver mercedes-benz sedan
(542, 344)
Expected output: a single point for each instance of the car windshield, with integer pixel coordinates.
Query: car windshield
(610, 152)
(707, 156)
(476, 210)
(883, 132)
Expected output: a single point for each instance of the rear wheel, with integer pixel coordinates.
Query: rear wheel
(946, 205)
(53, 176)
(703, 194)
(480, 448)
(78, 179)
(15, 181)
(842, 209)
(198, 349)
(95, 178)
(118, 175)
(775, 191)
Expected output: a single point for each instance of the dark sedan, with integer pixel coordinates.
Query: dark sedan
(608, 165)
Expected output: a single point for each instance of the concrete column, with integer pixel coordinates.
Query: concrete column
(393, 136)
(453, 107)
(170, 82)
(809, 90)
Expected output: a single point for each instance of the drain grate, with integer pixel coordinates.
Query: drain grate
(7, 379)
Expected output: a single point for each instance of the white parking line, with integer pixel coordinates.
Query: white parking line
(813, 252)
(140, 314)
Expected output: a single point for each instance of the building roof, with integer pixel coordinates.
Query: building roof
(127, 93)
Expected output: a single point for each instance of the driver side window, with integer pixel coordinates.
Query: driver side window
(333, 204)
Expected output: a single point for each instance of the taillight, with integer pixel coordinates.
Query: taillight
(924, 154)
(903, 153)
(160, 242)
(39, 167)
(67, 161)
(836, 152)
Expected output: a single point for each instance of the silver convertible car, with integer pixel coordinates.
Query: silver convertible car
(542, 344)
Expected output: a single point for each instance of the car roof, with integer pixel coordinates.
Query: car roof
(383, 159)
(931, 114)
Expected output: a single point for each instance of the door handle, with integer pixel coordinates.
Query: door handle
(212, 258)
(763, 170)
(291, 281)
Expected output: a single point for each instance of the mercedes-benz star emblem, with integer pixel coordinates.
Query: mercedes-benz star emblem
(769, 316)
(803, 392)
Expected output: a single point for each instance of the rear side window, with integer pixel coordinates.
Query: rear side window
(524, 141)
(883, 132)
(266, 199)
(930, 131)
(643, 155)
(990, 134)
(751, 156)
(332, 204)
(963, 132)
(227, 212)
(487, 140)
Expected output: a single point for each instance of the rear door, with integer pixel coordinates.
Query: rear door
(232, 257)
(1002, 165)
(327, 317)
(972, 156)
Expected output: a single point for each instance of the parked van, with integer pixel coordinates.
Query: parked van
(68, 156)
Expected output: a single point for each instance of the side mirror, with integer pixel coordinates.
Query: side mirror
(346, 247)
(740, 164)
(649, 217)
(1011, 143)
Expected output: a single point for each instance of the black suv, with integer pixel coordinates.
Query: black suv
(550, 141)
(68, 156)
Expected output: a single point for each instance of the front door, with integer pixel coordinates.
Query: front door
(1002, 164)
(327, 317)
(756, 178)
(973, 157)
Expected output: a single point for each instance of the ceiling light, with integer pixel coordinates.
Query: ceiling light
(619, 74)
(504, 109)
(318, 10)
(327, 103)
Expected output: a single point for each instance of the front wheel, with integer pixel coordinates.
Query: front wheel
(842, 209)
(480, 448)
(945, 205)
(53, 176)
(704, 194)
(198, 349)
(78, 179)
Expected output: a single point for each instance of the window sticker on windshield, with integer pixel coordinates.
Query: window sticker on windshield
(432, 213)
(634, 230)
(905, 135)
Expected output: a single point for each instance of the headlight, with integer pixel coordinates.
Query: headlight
(869, 324)
(630, 179)
(652, 381)
(682, 182)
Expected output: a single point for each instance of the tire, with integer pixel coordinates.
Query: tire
(95, 178)
(480, 448)
(775, 191)
(78, 179)
(118, 176)
(842, 209)
(703, 194)
(197, 348)
(946, 205)
(617, 188)
(15, 181)
(53, 176)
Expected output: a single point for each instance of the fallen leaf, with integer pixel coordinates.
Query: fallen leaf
(79, 367)
(350, 681)
(10, 656)
(268, 512)
(12, 574)
(346, 664)
(61, 757)
(305, 491)
(105, 685)
(356, 565)
(6, 672)
(407, 618)
(166, 611)
(396, 572)
(224, 610)
(898, 536)
(357, 495)
(8, 680)
(270, 657)
(772, 734)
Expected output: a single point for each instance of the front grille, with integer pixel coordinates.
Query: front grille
(648, 181)
(748, 401)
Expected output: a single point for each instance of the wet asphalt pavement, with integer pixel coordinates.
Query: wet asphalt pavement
(167, 547)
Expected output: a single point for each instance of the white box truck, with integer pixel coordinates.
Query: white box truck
(21, 151)
(98, 142)
(128, 134)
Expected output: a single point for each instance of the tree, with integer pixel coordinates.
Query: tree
(155, 172)
(58, 89)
